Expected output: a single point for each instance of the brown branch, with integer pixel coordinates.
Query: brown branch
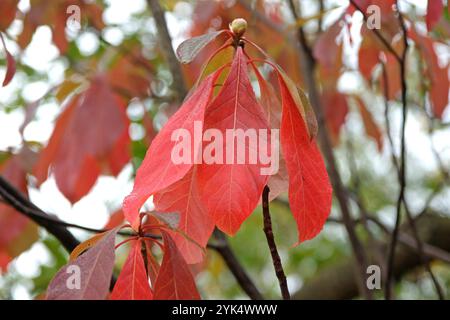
(19, 202)
(408, 240)
(433, 228)
(165, 41)
(320, 20)
(243, 279)
(308, 65)
(272, 245)
(404, 238)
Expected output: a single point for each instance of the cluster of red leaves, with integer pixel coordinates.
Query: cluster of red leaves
(79, 151)
(142, 277)
(328, 50)
(208, 195)
(373, 51)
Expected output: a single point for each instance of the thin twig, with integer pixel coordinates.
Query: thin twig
(165, 40)
(402, 181)
(402, 171)
(321, 14)
(386, 115)
(279, 271)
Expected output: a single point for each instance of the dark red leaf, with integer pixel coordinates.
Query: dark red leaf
(174, 281)
(336, 110)
(90, 137)
(95, 269)
(152, 265)
(8, 9)
(434, 13)
(10, 64)
(116, 219)
(370, 125)
(437, 75)
(310, 191)
(17, 233)
(132, 283)
(278, 182)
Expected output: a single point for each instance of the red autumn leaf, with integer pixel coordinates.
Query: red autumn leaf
(336, 110)
(79, 151)
(8, 8)
(434, 13)
(93, 269)
(10, 64)
(49, 153)
(119, 156)
(219, 14)
(54, 14)
(158, 171)
(132, 283)
(437, 75)
(5, 259)
(393, 77)
(174, 281)
(131, 74)
(370, 125)
(115, 220)
(150, 132)
(329, 53)
(369, 53)
(12, 223)
(309, 186)
(183, 197)
(152, 265)
(389, 22)
(439, 90)
(278, 182)
(231, 192)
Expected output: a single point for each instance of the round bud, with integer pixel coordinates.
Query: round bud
(238, 26)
